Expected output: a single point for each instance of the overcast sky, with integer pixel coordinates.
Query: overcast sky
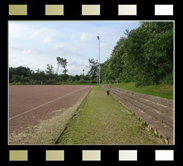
(35, 44)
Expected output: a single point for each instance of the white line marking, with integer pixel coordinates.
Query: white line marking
(43, 104)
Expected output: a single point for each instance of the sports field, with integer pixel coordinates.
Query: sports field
(38, 113)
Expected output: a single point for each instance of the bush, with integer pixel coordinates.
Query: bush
(168, 79)
(17, 83)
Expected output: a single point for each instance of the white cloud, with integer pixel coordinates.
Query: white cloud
(76, 64)
(85, 37)
(19, 30)
(29, 51)
(44, 33)
(72, 63)
(47, 39)
(37, 33)
(72, 69)
(32, 32)
(60, 46)
(104, 45)
(73, 49)
(43, 41)
(15, 49)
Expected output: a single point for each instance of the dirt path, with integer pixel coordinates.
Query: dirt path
(38, 113)
(156, 112)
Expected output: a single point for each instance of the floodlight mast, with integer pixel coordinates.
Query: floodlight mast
(99, 60)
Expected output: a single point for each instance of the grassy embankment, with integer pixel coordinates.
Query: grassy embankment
(101, 119)
(164, 91)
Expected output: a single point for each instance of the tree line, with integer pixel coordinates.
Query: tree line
(24, 75)
(144, 56)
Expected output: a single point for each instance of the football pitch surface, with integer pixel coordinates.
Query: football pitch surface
(31, 104)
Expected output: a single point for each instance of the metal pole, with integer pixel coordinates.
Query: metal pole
(99, 59)
(97, 78)
(97, 74)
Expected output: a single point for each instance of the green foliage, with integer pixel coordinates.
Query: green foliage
(106, 72)
(93, 73)
(15, 74)
(145, 56)
(116, 63)
(46, 78)
(62, 62)
(16, 78)
(167, 79)
(49, 70)
(17, 83)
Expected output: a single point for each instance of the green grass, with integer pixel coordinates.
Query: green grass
(164, 91)
(101, 119)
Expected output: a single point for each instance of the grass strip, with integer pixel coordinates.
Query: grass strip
(164, 91)
(102, 120)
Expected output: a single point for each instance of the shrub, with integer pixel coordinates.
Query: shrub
(17, 83)
(168, 79)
